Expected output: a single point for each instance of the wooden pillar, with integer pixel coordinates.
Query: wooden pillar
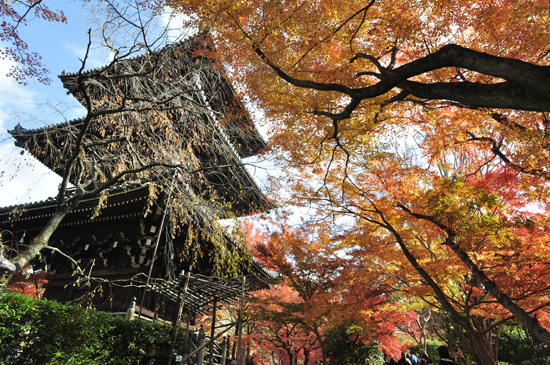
(228, 347)
(212, 332)
(234, 352)
(200, 354)
(181, 296)
(241, 316)
(224, 351)
(181, 301)
(156, 312)
(186, 342)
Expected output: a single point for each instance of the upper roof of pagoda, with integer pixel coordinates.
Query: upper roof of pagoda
(184, 61)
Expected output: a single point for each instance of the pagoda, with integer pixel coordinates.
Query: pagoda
(155, 223)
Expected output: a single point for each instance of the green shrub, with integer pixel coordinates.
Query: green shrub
(38, 331)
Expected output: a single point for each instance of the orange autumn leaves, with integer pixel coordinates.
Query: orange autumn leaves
(319, 293)
(401, 172)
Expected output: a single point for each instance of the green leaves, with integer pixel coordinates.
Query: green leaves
(461, 205)
(46, 332)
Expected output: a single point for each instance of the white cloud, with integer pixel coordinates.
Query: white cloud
(176, 25)
(96, 58)
(22, 178)
(12, 94)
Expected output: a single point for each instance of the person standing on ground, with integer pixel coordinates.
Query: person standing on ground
(414, 358)
(404, 360)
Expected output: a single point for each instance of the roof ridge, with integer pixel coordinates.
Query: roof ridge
(103, 68)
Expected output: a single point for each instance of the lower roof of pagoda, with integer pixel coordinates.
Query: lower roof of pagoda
(222, 167)
(122, 204)
(121, 237)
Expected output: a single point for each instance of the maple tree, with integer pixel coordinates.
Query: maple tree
(319, 296)
(295, 320)
(14, 15)
(418, 122)
(495, 256)
(421, 63)
(280, 329)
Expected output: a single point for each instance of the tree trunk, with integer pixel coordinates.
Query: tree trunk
(460, 321)
(306, 356)
(37, 243)
(290, 355)
(321, 344)
(530, 323)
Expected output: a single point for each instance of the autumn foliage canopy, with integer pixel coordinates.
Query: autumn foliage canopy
(420, 129)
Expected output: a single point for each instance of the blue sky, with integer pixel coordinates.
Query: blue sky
(22, 179)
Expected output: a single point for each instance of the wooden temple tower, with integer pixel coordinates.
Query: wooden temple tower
(115, 248)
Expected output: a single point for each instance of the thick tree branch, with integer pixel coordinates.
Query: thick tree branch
(475, 95)
(527, 85)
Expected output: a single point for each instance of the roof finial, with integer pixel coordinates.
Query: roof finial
(19, 129)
